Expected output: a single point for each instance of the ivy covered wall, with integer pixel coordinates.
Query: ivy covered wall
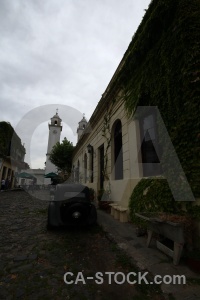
(162, 68)
(8, 136)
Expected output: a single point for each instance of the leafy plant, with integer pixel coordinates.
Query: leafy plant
(195, 254)
(91, 194)
(161, 68)
(9, 141)
(106, 133)
(61, 155)
(104, 200)
(100, 194)
(152, 195)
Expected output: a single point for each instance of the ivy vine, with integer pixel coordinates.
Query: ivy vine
(9, 140)
(107, 134)
(161, 68)
(152, 195)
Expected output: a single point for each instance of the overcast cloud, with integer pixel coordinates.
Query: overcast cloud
(60, 52)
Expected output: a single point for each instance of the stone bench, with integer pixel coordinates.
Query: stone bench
(170, 230)
(113, 205)
(119, 212)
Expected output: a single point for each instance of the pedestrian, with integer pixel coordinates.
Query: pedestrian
(3, 184)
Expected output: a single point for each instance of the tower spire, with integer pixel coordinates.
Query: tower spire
(81, 127)
(55, 129)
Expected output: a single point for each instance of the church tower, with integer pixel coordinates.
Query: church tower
(55, 129)
(81, 126)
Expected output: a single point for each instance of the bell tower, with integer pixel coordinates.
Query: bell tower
(55, 129)
(81, 126)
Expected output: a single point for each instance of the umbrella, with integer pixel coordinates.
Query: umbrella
(25, 175)
(51, 175)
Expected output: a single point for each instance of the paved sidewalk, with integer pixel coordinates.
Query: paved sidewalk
(151, 259)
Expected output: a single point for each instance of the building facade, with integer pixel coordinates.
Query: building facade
(106, 156)
(119, 147)
(38, 177)
(12, 154)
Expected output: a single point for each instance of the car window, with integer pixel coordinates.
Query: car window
(69, 195)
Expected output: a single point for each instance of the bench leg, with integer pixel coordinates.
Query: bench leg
(116, 214)
(150, 234)
(112, 211)
(123, 217)
(177, 253)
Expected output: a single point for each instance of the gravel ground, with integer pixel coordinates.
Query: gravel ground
(33, 261)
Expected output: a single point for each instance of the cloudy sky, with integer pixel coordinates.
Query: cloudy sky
(59, 53)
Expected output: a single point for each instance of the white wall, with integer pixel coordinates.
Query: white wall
(120, 189)
(38, 173)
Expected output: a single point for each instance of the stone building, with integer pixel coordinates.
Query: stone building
(104, 157)
(12, 154)
(81, 127)
(38, 177)
(118, 147)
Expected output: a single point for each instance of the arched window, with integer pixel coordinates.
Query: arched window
(118, 151)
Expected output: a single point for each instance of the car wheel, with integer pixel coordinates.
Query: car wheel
(75, 213)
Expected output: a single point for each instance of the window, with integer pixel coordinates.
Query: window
(149, 147)
(118, 153)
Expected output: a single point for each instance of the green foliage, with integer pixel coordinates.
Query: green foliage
(9, 140)
(6, 132)
(152, 195)
(106, 133)
(193, 210)
(162, 69)
(100, 194)
(91, 194)
(61, 155)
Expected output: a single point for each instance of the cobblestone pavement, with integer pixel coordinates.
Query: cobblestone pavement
(34, 260)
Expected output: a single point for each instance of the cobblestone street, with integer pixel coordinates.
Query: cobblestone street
(34, 260)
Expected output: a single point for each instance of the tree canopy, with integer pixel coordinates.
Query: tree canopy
(61, 155)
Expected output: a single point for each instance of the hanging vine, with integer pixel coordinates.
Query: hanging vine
(162, 69)
(107, 134)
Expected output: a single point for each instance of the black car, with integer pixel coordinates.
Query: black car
(70, 205)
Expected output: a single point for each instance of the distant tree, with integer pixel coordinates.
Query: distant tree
(61, 155)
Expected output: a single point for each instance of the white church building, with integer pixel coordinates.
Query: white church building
(107, 156)
(55, 129)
